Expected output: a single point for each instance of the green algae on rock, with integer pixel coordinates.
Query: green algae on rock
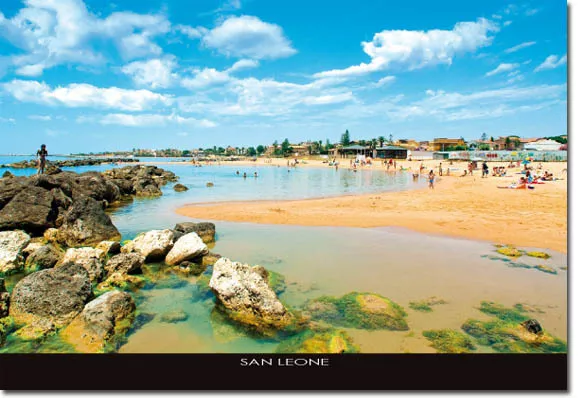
(510, 251)
(546, 269)
(277, 282)
(507, 334)
(332, 341)
(426, 305)
(6, 327)
(449, 341)
(542, 255)
(175, 316)
(358, 310)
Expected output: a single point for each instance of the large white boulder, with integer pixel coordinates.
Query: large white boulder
(188, 247)
(153, 245)
(11, 245)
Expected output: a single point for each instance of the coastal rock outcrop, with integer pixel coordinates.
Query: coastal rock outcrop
(11, 245)
(247, 297)
(102, 321)
(205, 230)
(4, 300)
(31, 164)
(89, 258)
(188, 247)
(86, 224)
(180, 188)
(56, 295)
(124, 263)
(109, 247)
(33, 209)
(153, 245)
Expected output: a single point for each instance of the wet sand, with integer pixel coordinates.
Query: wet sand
(470, 207)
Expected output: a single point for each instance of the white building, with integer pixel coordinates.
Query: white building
(542, 145)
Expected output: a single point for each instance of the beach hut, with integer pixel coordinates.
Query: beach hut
(391, 152)
(355, 150)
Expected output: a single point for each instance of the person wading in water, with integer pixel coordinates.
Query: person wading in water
(41, 158)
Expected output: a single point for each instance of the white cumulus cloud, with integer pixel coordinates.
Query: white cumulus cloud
(84, 95)
(153, 73)
(417, 49)
(248, 36)
(146, 120)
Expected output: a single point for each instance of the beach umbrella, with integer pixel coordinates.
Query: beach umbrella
(525, 161)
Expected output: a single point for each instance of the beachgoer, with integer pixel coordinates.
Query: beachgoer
(238, 172)
(431, 179)
(485, 170)
(41, 155)
(441, 171)
(245, 175)
(255, 175)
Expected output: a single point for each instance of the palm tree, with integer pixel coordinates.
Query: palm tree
(373, 143)
(381, 140)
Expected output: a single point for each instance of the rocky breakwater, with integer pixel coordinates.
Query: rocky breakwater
(31, 164)
(69, 208)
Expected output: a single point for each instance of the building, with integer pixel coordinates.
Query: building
(407, 144)
(543, 145)
(441, 144)
(391, 152)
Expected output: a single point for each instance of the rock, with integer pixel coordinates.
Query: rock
(4, 304)
(331, 341)
(146, 188)
(105, 320)
(187, 268)
(358, 310)
(532, 326)
(174, 316)
(247, 297)
(36, 330)
(449, 341)
(180, 188)
(7, 174)
(188, 247)
(6, 327)
(44, 257)
(109, 247)
(86, 224)
(124, 263)
(153, 245)
(31, 247)
(56, 295)
(121, 281)
(210, 185)
(89, 258)
(205, 230)
(210, 259)
(33, 210)
(11, 245)
(51, 234)
(10, 187)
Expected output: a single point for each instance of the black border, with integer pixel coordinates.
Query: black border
(224, 372)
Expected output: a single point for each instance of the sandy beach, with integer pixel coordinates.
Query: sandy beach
(470, 207)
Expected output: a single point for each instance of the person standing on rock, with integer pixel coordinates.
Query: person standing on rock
(41, 155)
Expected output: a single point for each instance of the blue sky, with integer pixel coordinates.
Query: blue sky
(95, 75)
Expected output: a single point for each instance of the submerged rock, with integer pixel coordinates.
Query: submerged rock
(153, 245)
(180, 188)
(56, 295)
(103, 321)
(11, 245)
(332, 341)
(358, 310)
(510, 251)
(89, 258)
(425, 305)
(449, 341)
(121, 281)
(247, 298)
(532, 326)
(541, 255)
(174, 316)
(205, 230)
(188, 247)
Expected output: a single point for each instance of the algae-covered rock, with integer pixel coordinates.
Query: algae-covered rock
(331, 341)
(510, 251)
(224, 329)
(210, 259)
(109, 247)
(56, 294)
(358, 310)
(102, 323)
(175, 316)
(124, 263)
(37, 330)
(449, 341)
(542, 255)
(509, 332)
(120, 281)
(426, 305)
(6, 327)
(277, 282)
(43, 257)
(203, 290)
(188, 268)
(247, 297)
